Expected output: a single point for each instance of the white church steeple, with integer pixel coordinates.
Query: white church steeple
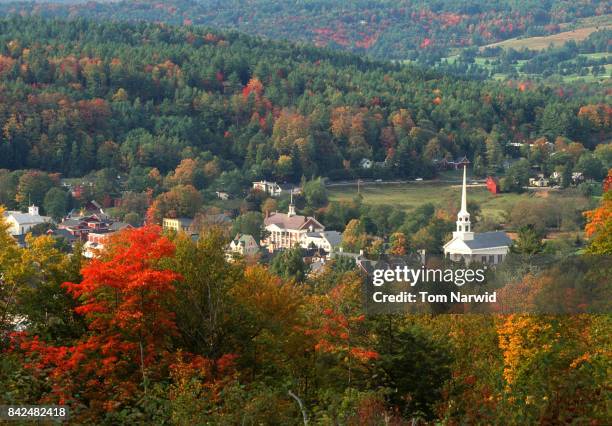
(464, 226)
(291, 211)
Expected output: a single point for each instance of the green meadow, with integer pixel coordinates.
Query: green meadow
(410, 195)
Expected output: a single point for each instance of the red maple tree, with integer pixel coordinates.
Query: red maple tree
(123, 296)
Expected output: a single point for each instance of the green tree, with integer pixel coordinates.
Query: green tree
(56, 203)
(32, 188)
(289, 264)
(516, 177)
(479, 169)
(249, 223)
(529, 241)
(590, 166)
(315, 193)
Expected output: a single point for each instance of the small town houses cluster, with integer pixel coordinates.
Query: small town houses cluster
(89, 225)
(92, 226)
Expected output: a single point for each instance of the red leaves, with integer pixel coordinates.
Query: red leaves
(338, 330)
(425, 43)
(124, 297)
(253, 86)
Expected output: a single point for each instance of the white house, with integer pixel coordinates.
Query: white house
(486, 247)
(325, 240)
(577, 177)
(287, 230)
(271, 188)
(21, 223)
(366, 163)
(243, 245)
(540, 181)
(222, 195)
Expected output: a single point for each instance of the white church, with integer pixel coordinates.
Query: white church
(485, 247)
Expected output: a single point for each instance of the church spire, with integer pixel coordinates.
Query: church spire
(464, 191)
(291, 211)
(464, 225)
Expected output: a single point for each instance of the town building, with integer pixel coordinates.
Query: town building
(178, 224)
(577, 177)
(366, 163)
(288, 230)
(242, 245)
(328, 241)
(539, 181)
(20, 223)
(222, 195)
(96, 240)
(271, 188)
(493, 185)
(485, 247)
(81, 226)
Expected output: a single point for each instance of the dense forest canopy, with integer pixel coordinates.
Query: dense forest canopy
(79, 96)
(383, 28)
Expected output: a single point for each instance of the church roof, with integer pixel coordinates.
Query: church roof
(488, 240)
(27, 218)
(284, 221)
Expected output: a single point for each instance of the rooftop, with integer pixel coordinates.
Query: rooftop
(23, 218)
(489, 239)
(334, 237)
(283, 220)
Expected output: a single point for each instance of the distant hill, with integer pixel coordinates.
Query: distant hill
(83, 96)
(397, 29)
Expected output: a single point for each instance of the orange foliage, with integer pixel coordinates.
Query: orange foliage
(253, 86)
(6, 64)
(599, 221)
(337, 327)
(123, 298)
(600, 115)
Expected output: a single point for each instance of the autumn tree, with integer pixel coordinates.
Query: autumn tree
(180, 201)
(354, 237)
(124, 299)
(399, 244)
(599, 222)
(9, 260)
(337, 324)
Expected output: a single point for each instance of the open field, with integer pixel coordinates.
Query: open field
(540, 43)
(408, 196)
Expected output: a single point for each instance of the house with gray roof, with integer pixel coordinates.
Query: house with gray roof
(20, 223)
(329, 241)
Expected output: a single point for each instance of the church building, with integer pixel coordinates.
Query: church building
(287, 230)
(485, 247)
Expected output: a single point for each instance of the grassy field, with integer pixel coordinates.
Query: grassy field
(408, 196)
(540, 43)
